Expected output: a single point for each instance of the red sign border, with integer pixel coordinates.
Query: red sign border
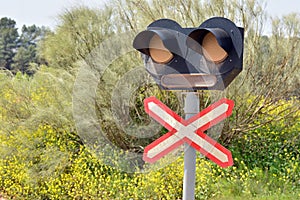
(199, 131)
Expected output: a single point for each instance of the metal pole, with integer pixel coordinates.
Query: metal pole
(191, 107)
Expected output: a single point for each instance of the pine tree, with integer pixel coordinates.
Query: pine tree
(8, 42)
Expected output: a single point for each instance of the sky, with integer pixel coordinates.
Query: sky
(45, 12)
(40, 12)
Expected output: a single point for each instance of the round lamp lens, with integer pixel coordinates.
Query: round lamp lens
(212, 51)
(158, 52)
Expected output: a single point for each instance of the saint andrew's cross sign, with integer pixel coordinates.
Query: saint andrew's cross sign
(189, 131)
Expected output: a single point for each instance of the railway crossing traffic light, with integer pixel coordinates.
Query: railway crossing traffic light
(207, 57)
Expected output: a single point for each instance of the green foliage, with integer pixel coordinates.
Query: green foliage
(17, 53)
(45, 159)
(81, 30)
(42, 156)
(270, 62)
(273, 147)
(27, 49)
(8, 42)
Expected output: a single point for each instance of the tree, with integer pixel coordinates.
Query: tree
(31, 35)
(81, 29)
(23, 58)
(8, 42)
(27, 52)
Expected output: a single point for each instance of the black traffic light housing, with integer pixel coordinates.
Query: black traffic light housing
(205, 58)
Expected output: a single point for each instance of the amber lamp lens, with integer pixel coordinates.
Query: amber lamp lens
(212, 51)
(158, 52)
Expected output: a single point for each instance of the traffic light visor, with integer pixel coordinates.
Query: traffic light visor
(213, 44)
(160, 44)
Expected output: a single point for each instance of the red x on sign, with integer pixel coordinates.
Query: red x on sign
(190, 131)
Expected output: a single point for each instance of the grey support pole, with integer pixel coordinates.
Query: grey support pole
(191, 108)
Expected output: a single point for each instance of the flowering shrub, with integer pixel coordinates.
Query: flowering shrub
(55, 172)
(41, 156)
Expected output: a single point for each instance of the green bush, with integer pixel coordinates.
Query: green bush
(43, 158)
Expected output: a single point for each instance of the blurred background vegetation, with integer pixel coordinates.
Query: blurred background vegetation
(43, 157)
